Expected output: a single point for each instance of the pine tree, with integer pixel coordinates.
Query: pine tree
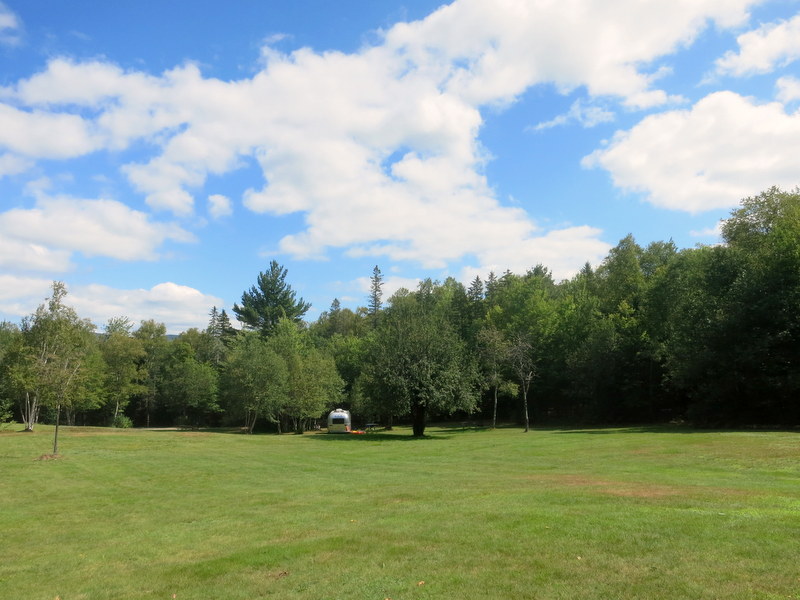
(270, 300)
(375, 292)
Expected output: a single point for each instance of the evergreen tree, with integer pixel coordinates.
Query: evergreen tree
(270, 300)
(375, 293)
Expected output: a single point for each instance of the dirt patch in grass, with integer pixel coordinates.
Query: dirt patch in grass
(49, 457)
(626, 489)
(633, 489)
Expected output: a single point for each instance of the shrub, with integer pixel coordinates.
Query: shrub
(122, 422)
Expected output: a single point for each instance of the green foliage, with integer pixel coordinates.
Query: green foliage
(58, 366)
(153, 337)
(375, 293)
(270, 300)
(10, 342)
(652, 334)
(122, 422)
(416, 363)
(313, 383)
(189, 386)
(123, 355)
(254, 381)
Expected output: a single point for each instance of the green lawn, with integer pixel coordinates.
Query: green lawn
(572, 514)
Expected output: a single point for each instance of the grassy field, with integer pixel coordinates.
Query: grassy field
(573, 514)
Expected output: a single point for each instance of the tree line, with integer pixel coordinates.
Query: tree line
(708, 335)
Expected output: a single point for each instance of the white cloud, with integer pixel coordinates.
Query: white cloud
(219, 206)
(45, 236)
(10, 26)
(763, 49)
(40, 134)
(715, 231)
(389, 286)
(21, 255)
(586, 116)
(508, 45)
(726, 147)
(788, 89)
(378, 148)
(21, 295)
(177, 306)
(563, 251)
(12, 165)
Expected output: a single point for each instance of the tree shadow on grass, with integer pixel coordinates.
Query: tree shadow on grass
(684, 429)
(375, 436)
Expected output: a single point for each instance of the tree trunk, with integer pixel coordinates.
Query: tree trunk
(30, 411)
(55, 435)
(418, 419)
(526, 382)
(525, 405)
(250, 420)
(494, 411)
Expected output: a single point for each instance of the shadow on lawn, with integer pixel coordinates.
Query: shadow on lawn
(672, 428)
(375, 436)
(608, 430)
(311, 435)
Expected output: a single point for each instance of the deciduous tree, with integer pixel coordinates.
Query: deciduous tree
(59, 343)
(255, 380)
(417, 364)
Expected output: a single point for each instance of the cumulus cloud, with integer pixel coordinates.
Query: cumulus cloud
(379, 148)
(563, 251)
(726, 147)
(219, 206)
(712, 232)
(762, 50)
(45, 236)
(179, 307)
(11, 164)
(390, 285)
(40, 134)
(788, 89)
(10, 26)
(20, 295)
(21, 255)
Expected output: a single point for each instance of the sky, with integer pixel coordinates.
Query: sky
(156, 156)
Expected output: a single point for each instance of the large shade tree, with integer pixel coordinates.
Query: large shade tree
(417, 364)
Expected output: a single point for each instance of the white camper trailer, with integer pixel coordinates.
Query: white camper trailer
(339, 421)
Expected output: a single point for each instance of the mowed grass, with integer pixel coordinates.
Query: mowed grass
(602, 513)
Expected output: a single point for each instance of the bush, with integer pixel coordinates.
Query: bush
(122, 422)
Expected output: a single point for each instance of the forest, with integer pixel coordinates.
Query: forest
(708, 336)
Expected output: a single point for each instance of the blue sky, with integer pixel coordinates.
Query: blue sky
(157, 156)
